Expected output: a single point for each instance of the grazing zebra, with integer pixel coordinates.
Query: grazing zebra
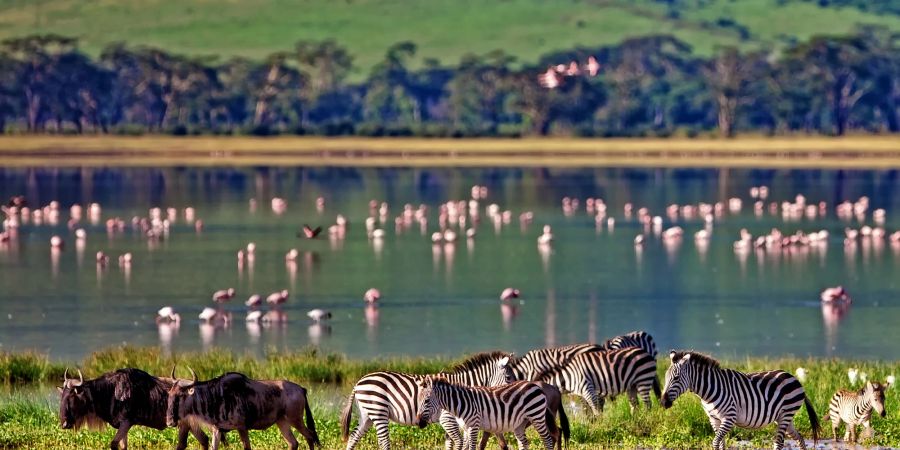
(597, 375)
(730, 398)
(554, 403)
(534, 362)
(640, 339)
(390, 396)
(500, 409)
(855, 408)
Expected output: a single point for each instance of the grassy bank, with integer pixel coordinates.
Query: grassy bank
(30, 421)
(847, 152)
(444, 29)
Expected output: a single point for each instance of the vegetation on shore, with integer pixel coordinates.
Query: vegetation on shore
(29, 421)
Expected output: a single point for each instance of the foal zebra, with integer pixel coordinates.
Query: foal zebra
(597, 375)
(382, 397)
(730, 398)
(855, 408)
(500, 409)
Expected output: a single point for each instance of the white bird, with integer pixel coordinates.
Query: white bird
(437, 237)
(319, 315)
(835, 294)
(291, 255)
(449, 235)
(470, 233)
(801, 374)
(639, 240)
(167, 314)
(125, 259)
(852, 374)
(208, 314)
(80, 234)
(254, 316)
(56, 242)
(378, 233)
(251, 248)
(890, 380)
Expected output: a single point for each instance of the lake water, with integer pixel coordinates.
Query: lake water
(592, 283)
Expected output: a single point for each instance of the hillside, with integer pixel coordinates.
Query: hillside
(443, 29)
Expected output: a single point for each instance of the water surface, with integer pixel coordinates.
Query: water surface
(443, 299)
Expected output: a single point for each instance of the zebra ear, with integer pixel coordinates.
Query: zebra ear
(503, 362)
(672, 355)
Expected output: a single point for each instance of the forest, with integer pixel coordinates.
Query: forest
(650, 86)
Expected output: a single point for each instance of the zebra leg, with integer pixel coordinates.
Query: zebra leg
(644, 392)
(797, 436)
(851, 428)
(364, 424)
(522, 439)
(725, 426)
(472, 437)
(784, 422)
(868, 431)
(632, 399)
(451, 426)
(383, 433)
(589, 394)
(835, 423)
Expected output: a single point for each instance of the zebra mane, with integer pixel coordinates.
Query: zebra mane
(478, 360)
(697, 358)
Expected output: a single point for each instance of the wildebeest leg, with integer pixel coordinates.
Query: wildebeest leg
(285, 428)
(307, 434)
(216, 438)
(245, 438)
(120, 440)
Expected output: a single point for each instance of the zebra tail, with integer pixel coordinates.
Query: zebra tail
(564, 424)
(310, 422)
(345, 417)
(813, 420)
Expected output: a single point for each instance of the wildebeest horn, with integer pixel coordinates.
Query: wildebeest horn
(66, 375)
(80, 378)
(173, 371)
(193, 376)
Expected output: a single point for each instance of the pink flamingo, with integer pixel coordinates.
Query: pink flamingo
(509, 294)
(372, 295)
(223, 295)
(835, 295)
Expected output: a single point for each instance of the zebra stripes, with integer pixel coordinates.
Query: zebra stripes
(534, 362)
(731, 398)
(597, 375)
(384, 397)
(640, 339)
(855, 408)
(500, 409)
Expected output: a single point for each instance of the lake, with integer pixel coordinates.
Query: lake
(590, 284)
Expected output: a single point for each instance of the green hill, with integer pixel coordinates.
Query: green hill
(443, 29)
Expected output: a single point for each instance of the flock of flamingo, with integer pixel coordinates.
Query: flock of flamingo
(459, 219)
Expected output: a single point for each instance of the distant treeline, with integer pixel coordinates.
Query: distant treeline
(648, 86)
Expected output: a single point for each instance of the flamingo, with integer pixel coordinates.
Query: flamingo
(509, 293)
(291, 255)
(254, 316)
(835, 294)
(223, 295)
(102, 259)
(277, 298)
(254, 301)
(372, 295)
(56, 242)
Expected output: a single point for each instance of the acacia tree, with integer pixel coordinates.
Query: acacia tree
(729, 76)
(388, 97)
(478, 92)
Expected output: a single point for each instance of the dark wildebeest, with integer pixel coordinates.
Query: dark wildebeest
(235, 402)
(123, 399)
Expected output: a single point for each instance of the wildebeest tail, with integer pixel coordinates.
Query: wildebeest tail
(564, 424)
(345, 417)
(813, 419)
(310, 422)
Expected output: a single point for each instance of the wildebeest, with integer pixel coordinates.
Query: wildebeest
(123, 399)
(235, 402)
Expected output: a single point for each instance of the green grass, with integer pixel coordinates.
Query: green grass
(444, 29)
(30, 420)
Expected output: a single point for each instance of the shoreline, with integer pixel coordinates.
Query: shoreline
(855, 152)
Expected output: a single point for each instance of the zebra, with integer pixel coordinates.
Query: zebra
(511, 407)
(536, 361)
(640, 339)
(554, 403)
(597, 375)
(730, 397)
(382, 397)
(855, 408)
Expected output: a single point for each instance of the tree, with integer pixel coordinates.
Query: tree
(729, 76)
